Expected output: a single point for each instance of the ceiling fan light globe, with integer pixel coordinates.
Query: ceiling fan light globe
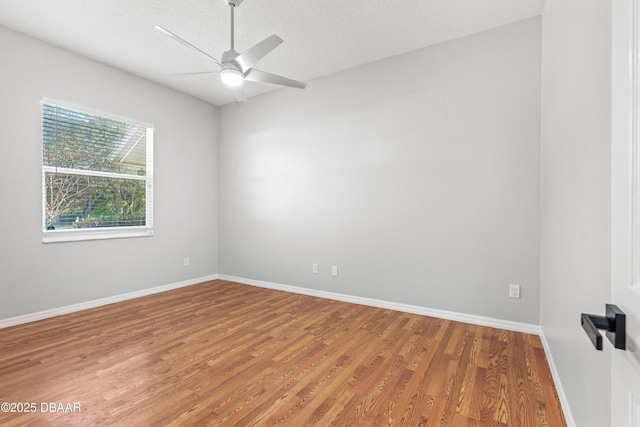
(231, 77)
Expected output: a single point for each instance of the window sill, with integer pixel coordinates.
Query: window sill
(56, 236)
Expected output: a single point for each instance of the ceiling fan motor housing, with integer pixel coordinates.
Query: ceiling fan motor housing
(228, 59)
(231, 74)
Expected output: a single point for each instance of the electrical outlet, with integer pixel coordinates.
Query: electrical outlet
(334, 270)
(186, 261)
(315, 268)
(514, 291)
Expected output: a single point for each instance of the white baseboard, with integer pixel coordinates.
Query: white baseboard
(568, 417)
(32, 317)
(424, 311)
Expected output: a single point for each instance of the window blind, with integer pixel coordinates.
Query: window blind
(96, 173)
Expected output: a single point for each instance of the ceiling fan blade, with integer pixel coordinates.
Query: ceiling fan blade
(264, 77)
(251, 56)
(238, 92)
(185, 43)
(197, 73)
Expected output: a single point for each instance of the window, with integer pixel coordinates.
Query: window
(97, 175)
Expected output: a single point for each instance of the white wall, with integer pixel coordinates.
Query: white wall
(418, 176)
(36, 276)
(575, 246)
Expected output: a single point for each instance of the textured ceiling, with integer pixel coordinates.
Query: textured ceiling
(321, 37)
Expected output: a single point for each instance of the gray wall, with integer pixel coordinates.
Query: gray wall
(575, 245)
(36, 276)
(418, 176)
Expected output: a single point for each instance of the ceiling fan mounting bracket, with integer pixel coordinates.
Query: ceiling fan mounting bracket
(234, 3)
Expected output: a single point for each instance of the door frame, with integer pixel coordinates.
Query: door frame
(625, 207)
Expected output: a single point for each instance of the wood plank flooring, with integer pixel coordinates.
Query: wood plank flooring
(225, 354)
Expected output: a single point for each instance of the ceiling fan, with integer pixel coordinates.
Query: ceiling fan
(236, 67)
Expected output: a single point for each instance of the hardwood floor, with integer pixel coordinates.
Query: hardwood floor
(225, 354)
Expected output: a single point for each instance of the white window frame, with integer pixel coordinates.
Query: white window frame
(53, 236)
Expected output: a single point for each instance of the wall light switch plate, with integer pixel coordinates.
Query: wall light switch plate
(514, 291)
